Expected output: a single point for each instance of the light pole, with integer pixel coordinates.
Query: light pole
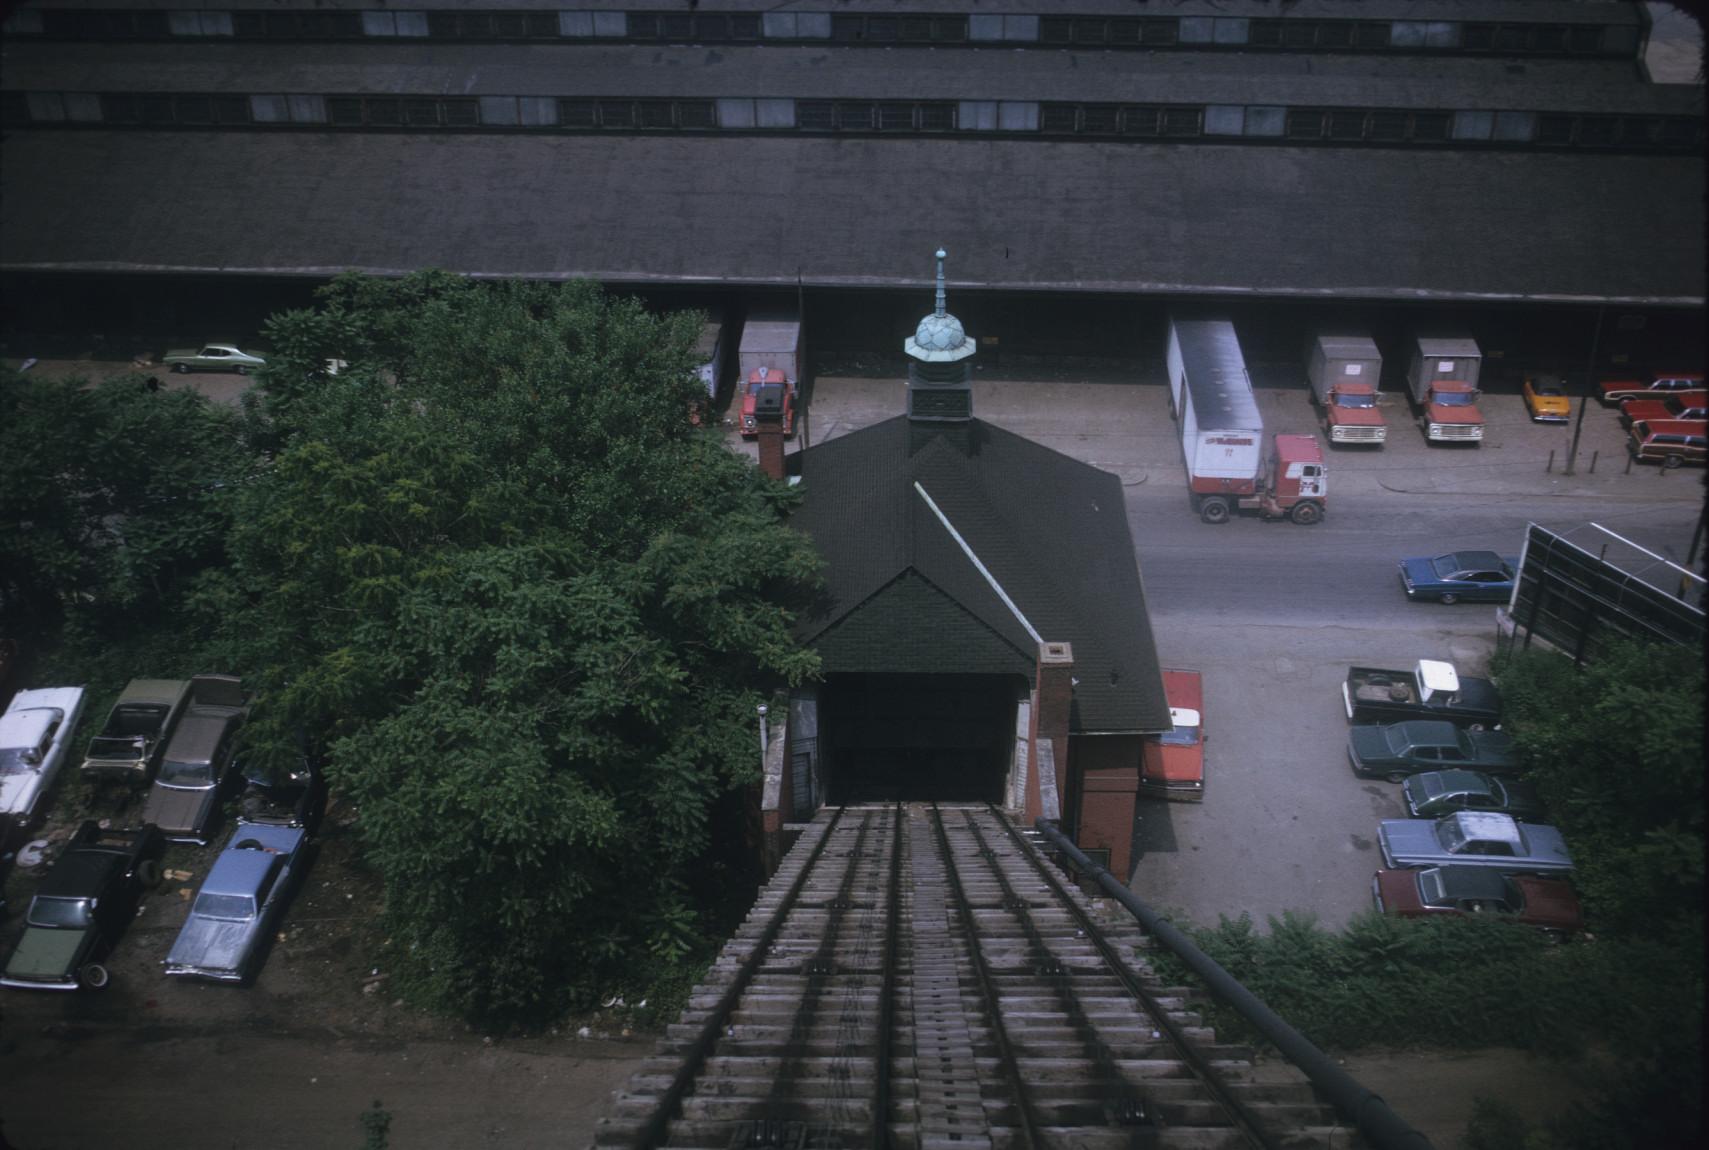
(762, 713)
(1589, 382)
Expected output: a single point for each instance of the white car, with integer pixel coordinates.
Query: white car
(35, 732)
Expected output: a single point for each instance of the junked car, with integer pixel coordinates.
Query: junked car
(129, 743)
(1435, 793)
(1398, 750)
(83, 905)
(1474, 838)
(35, 733)
(213, 357)
(1548, 904)
(289, 796)
(184, 801)
(239, 903)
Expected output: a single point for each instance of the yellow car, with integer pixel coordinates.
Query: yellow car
(1546, 399)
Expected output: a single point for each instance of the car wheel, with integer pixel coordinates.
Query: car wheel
(1214, 510)
(242, 369)
(94, 976)
(148, 873)
(1396, 776)
(1669, 462)
(1449, 597)
(1305, 514)
(181, 368)
(1474, 726)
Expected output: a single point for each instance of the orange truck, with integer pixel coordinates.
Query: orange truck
(1343, 370)
(1443, 381)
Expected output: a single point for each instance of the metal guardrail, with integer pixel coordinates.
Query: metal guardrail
(1381, 1126)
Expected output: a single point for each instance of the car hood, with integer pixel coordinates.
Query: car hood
(1440, 413)
(1356, 416)
(15, 790)
(211, 944)
(1399, 890)
(46, 954)
(177, 811)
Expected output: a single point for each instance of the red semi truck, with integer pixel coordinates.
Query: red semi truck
(1222, 434)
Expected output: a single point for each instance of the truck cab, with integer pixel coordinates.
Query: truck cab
(761, 380)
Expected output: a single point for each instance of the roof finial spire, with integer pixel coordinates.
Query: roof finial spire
(941, 255)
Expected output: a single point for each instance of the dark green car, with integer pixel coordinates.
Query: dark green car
(1436, 793)
(1398, 750)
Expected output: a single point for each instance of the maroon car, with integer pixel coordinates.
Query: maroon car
(1548, 904)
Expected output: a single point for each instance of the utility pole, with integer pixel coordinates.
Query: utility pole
(1589, 382)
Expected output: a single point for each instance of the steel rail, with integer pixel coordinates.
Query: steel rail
(1384, 1129)
(886, 1037)
(652, 1132)
(1248, 1125)
(1030, 1124)
(1102, 1057)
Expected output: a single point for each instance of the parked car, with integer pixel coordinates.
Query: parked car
(213, 357)
(1398, 750)
(239, 903)
(1679, 405)
(1433, 689)
(1469, 575)
(135, 733)
(1432, 793)
(1615, 390)
(1670, 442)
(196, 770)
(83, 906)
(1546, 398)
(35, 733)
(1474, 838)
(291, 797)
(1172, 765)
(1546, 903)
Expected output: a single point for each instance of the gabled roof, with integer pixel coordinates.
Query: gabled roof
(925, 529)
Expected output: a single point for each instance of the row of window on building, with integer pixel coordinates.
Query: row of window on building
(1215, 121)
(710, 27)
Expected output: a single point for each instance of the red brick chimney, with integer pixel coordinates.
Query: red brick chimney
(768, 425)
(1047, 791)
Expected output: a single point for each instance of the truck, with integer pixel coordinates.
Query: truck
(1222, 434)
(1443, 381)
(129, 744)
(770, 353)
(1343, 370)
(1431, 690)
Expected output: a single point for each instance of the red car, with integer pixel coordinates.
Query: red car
(1677, 405)
(1651, 387)
(1546, 903)
(1172, 765)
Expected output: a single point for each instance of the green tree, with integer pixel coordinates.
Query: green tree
(111, 496)
(529, 607)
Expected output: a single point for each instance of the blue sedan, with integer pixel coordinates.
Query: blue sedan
(1460, 575)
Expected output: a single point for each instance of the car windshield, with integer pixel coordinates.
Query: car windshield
(1180, 737)
(178, 774)
(1551, 389)
(1430, 887)
(12, 761)
(1454, 398)
(50, 911)
(1356, 401)
(230, 907)
(1396, 738)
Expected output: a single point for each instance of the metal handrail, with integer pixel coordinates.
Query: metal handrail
(1381, 1126)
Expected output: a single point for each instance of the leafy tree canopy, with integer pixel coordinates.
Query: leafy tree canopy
(528, 606)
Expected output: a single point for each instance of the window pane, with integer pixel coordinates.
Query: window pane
(1596, 130)
(984, 27)
(1265, 33)
(1431, 125)
(1549, 38)
(578, 113)
(1017, 115)
(896, 117)
(1387, 126)
(1334, 34)
(459, 113)
(977, 115)
(1473, 125)
(1224, 120)
(1442, 34)
(656, 114)
(1515, 125)
(421, 113)
(1407, 34)
(609, 24)
(384, 112)
(216, 23)
(499, 110)
(937, 117)
(1057, 117)
(779, 25)
(24, 22)
(46, 107)
(308, 109)
(1023, 28)
(1196, 30)
(575, 25)
(1346, 125)
(412, 23)
(1555, 130)
(184, 23)
(510, 25)
(1099, 118)
(856, 114)
(379, 24)
(695, 114)
(736, 113)
(82, 107)
(882, 29)
(774, 113)
(813, 25)
(616, 114)
(158, 109)
(115, 109)
(816, 115)
(194, 110)
(1181, 121)
(537, 111)
(231, 109)
(1229, 30)
(1265, 120)
(1139, 121)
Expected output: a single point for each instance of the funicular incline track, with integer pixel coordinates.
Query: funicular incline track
(921, 978)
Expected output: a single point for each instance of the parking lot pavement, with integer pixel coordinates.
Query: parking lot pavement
(220, 386)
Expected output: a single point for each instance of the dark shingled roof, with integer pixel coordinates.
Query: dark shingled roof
(1019, 214)
(1052, 531)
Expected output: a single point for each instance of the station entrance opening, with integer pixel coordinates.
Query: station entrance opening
(917, 738)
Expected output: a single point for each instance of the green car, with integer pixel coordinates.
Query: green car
(1398, 750)
(1435, 793)
(213, 357)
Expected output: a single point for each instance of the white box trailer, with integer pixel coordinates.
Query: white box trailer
(772, 340)
(1210, 395)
